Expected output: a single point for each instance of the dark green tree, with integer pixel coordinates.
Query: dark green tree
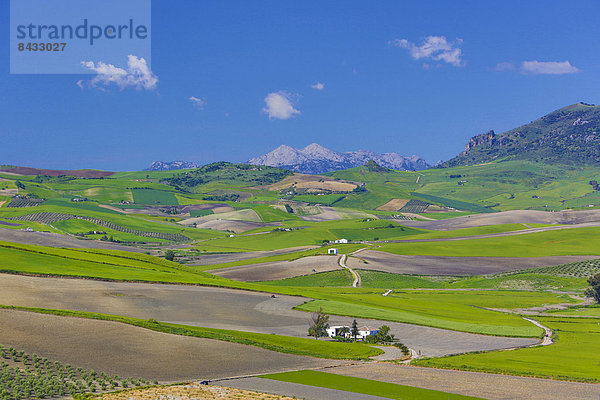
(594, 289)
(170, 255)
(354, 330)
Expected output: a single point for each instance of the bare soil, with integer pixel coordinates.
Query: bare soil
(326, 214)
(393, 205)
(487, 386)
(279, 269)
(129, 351)
(319, 182)
(434, 265)
(219, 308)
(509, 217)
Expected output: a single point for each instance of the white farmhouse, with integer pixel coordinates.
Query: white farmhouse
(332, 251)
(365, 331)
(334, 331)
(338, 241)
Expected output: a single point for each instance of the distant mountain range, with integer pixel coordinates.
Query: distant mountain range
(168, 166)
(570, 135)
(316, 159)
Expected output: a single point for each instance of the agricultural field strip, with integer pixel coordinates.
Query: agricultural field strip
(487, 385)
(49, 218)
(493, 235)
(278, 343)
(500, 323)
(361, 385)
(98, 257)
(576, 344)
(222, 309)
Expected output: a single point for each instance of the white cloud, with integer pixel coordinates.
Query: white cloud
(279, 106)
(137, 74)
(436, 48)
(548, 67)
(198, 103)
(318, 86)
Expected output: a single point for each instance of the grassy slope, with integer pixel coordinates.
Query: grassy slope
(507, 185)
(363, 386)
(389, 281)
(126, 221)
(312, 234)
(456, 310)
(579, 241)
(574, 356)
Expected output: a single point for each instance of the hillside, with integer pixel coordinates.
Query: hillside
(569, 136)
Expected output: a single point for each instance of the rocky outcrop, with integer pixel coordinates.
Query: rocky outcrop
(488, 138)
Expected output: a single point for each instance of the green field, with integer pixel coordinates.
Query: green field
(200, 213)
(151, 196)
(574, 356)
(577, 241)
(363, 386)
(323, 279)
(465, 311)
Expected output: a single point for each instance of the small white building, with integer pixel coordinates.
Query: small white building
(338, 241)
(365, 331)
(334, 331)
(332, 251)
(346, 331)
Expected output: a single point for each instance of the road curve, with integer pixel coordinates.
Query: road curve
(357, 281)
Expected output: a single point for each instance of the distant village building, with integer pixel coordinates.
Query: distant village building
(341, 241)
(332, 251)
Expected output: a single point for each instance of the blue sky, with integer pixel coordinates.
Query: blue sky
(413, 78)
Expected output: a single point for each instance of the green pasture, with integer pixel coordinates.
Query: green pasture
(579, 311)
(324, 199)
(151, 196)
(313, 233)
(271, 214)
(361, 385)
(466, 311)
(505, 185)
(200, 213)
(388, 281)
(573, 357)
(575, 241)
(336, 278)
